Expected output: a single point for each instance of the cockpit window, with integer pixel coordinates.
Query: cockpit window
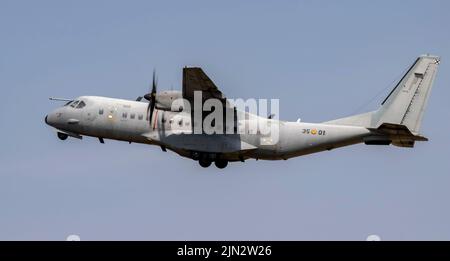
(74, 104)
(69, 102)
(81, 104)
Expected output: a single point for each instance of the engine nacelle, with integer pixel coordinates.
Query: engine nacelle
(164, 100)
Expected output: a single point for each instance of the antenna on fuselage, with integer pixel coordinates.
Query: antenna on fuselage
(60, 99)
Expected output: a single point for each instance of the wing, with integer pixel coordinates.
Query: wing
(194, 79)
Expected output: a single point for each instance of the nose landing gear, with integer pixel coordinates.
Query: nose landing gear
(62, 136)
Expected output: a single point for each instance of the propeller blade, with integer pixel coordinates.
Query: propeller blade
(148, 115)
(152, 108)
(151, 97)
(154, 83)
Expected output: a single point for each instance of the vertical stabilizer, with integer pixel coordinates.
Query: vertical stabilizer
(406, 103)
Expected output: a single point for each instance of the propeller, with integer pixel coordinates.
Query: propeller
(151, 97)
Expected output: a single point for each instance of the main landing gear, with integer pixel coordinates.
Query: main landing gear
(206, 160)
(221, 163)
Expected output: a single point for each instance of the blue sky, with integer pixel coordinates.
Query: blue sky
(322, 59)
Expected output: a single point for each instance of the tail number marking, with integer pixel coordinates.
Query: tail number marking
(314, 132)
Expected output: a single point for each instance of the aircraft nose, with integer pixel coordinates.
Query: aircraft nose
(50, 119)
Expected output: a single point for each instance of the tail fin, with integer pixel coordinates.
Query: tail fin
(405, 104)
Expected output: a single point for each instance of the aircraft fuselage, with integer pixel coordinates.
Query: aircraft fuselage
(125, 120)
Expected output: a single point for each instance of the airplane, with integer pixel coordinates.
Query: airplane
(156, 122)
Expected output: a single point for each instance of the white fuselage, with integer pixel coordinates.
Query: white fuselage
(127, 120)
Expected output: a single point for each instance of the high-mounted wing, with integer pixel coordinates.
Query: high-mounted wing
(194, 79)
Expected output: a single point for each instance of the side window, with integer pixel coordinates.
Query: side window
(132, 116)
(81, 104)
(140, 116)
(124, 115)
(100, 111)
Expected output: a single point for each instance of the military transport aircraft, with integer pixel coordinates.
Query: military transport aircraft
(172, 127)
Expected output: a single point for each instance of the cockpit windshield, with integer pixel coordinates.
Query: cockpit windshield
(74, 104)
(69, 102)
(77, 104)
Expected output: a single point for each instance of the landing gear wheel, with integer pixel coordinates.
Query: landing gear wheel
(204, 162)
(62, 136)
(221, 163)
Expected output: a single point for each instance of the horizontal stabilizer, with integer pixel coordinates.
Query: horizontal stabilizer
(395, 134)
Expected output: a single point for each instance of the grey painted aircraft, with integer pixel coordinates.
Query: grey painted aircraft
(156, 122)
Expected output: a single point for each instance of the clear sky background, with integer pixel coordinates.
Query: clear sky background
(322, 59)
